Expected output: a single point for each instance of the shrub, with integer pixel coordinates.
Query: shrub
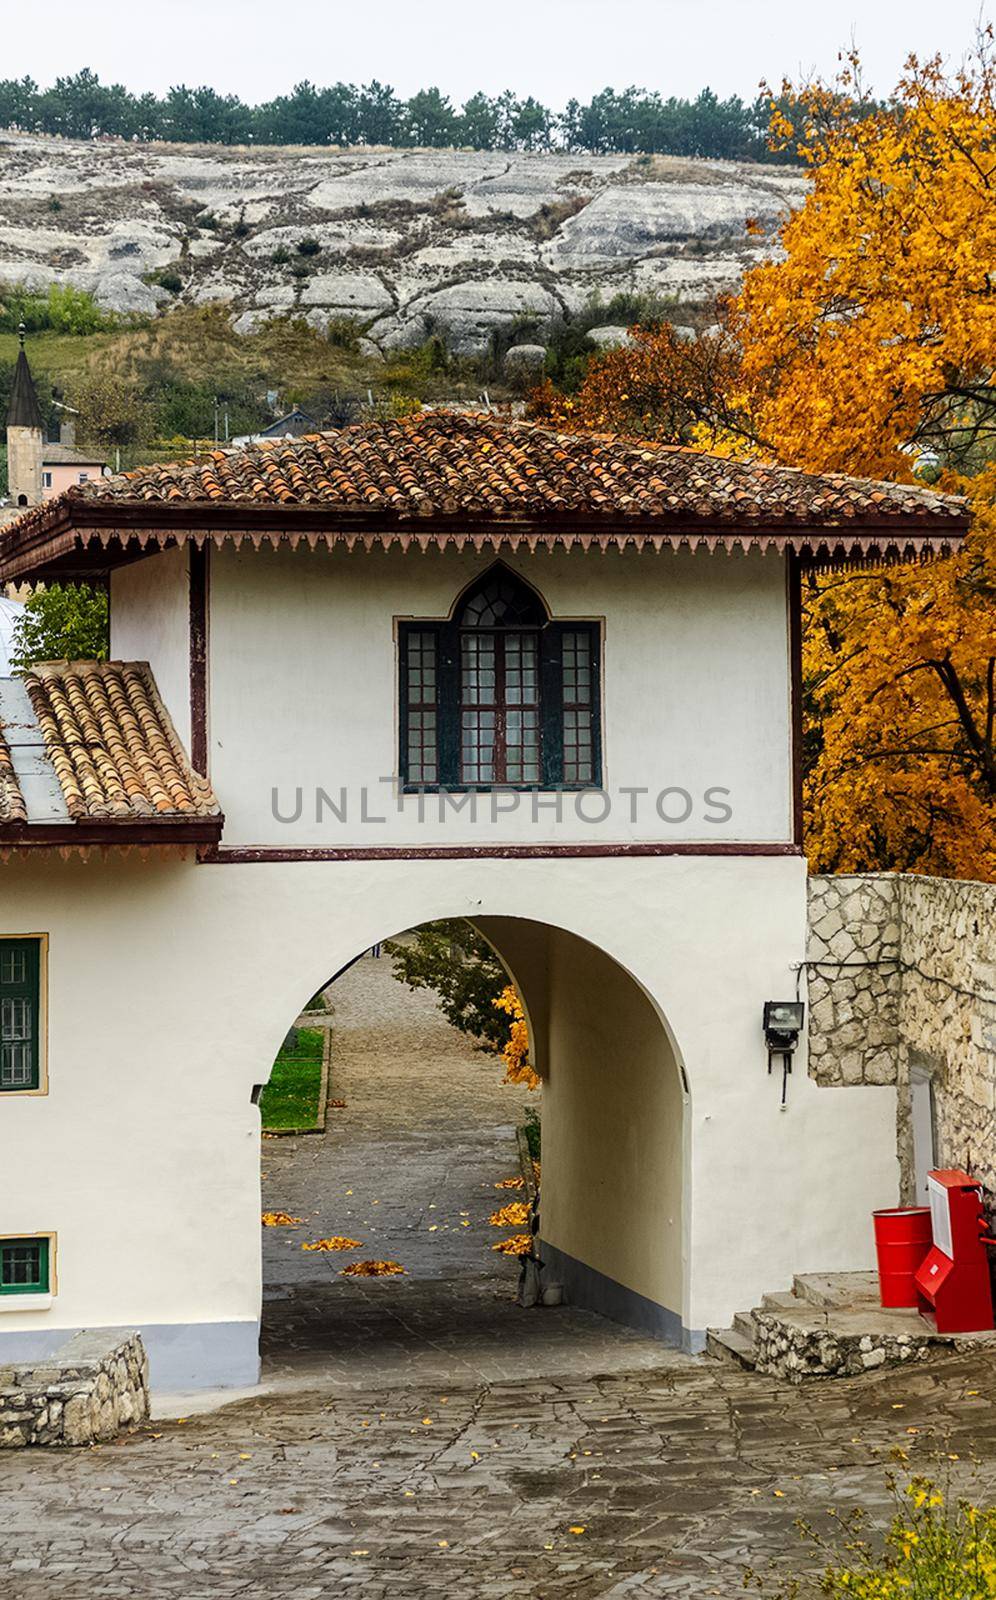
(308, 247)
(241, 228)
(61, 622)
(61, 309)
(280, 256)
(168, 280)
(300, 269)
(934, 1550)
(54, 203)
(344, 332)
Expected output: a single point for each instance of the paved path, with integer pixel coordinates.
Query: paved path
(409, 1167)
(678, 1478)
(423, 1437)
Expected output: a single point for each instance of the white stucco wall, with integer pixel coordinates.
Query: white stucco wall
(171, 985)
(150, 610)
(303, 688)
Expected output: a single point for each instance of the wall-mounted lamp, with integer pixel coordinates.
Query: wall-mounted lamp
(783, 1020)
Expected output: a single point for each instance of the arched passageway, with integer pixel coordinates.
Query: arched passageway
(410, 1162)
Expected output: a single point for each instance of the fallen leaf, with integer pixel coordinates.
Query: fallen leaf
(511, 1183)
(280, 1219)
(519, 1244)
(578, 1528)
(372, 1269)
(514, 1215)
(337, 1242)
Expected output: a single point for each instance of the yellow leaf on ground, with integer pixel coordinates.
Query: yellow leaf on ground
(514, 1215)
(280, 1219)
(519, 1244)
(372, 1269)
(511, 1183)
(338, 1241)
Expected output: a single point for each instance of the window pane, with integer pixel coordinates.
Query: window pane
(521, 669)
(477, 746)
(17, 1057)
(477, 669)
(522, 746)
(13, 964)
(421, 668)
(578, 757)
(24, 1264)
(421, 748)
(579, 763)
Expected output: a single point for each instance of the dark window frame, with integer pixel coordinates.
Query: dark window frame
(29, 989)
(447, 637)
(41, 1242)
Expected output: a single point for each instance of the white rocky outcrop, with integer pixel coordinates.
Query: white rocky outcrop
(408, 243)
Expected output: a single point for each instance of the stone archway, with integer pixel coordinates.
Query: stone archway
(613, 1213)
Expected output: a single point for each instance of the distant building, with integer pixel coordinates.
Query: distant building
(38, 469)
(25, 436)
(62, 466)
(292, 426)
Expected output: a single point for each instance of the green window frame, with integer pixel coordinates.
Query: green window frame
(24, 1265)
(20, 1015)
(499, 696)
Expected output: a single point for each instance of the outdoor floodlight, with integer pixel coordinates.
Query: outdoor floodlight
(783, 1021)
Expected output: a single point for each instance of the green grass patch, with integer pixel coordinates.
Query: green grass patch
(291, 1098)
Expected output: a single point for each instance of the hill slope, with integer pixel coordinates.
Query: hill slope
(406, 242)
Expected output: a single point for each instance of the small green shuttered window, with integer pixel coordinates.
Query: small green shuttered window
(500, 696)
(24, 1266)
(19, 1014)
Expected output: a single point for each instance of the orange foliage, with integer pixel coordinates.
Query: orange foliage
(519, 1244)
(514, 1215)
(372, 1269)
(867, 347)
(515, 1052)
(337, 1242)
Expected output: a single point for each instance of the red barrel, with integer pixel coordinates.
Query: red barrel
(902, 1239)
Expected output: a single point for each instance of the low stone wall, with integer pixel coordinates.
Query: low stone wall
(902, 978)
(89, 1391)
(787, 1350)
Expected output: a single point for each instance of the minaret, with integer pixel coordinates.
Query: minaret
(25, 436)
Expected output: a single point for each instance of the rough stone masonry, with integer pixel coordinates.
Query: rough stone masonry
(89, 1391)
(902, 978)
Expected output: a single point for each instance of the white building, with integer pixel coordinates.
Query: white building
(10, 610)
(445, 667)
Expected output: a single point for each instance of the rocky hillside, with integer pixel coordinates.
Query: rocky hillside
(409, 243)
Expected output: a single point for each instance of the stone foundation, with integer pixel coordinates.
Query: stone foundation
(88, 1392)
(788, 1349)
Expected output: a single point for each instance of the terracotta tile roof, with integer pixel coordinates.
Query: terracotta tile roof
(12, 807)
(112, 744)
(440, 476)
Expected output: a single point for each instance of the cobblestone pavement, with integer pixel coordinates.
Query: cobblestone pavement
(423, 1437)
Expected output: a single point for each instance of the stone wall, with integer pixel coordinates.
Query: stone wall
(902, 976)
(90, 1390)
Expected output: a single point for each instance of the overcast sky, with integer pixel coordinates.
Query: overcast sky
(553, 49)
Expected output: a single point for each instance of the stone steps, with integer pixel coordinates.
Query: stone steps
(730, 1346)
(829, 1325)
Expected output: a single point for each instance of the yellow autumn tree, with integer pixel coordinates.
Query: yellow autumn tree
(515, 1050)
(868, 346)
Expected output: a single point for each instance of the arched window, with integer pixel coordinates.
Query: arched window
(500, 695)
